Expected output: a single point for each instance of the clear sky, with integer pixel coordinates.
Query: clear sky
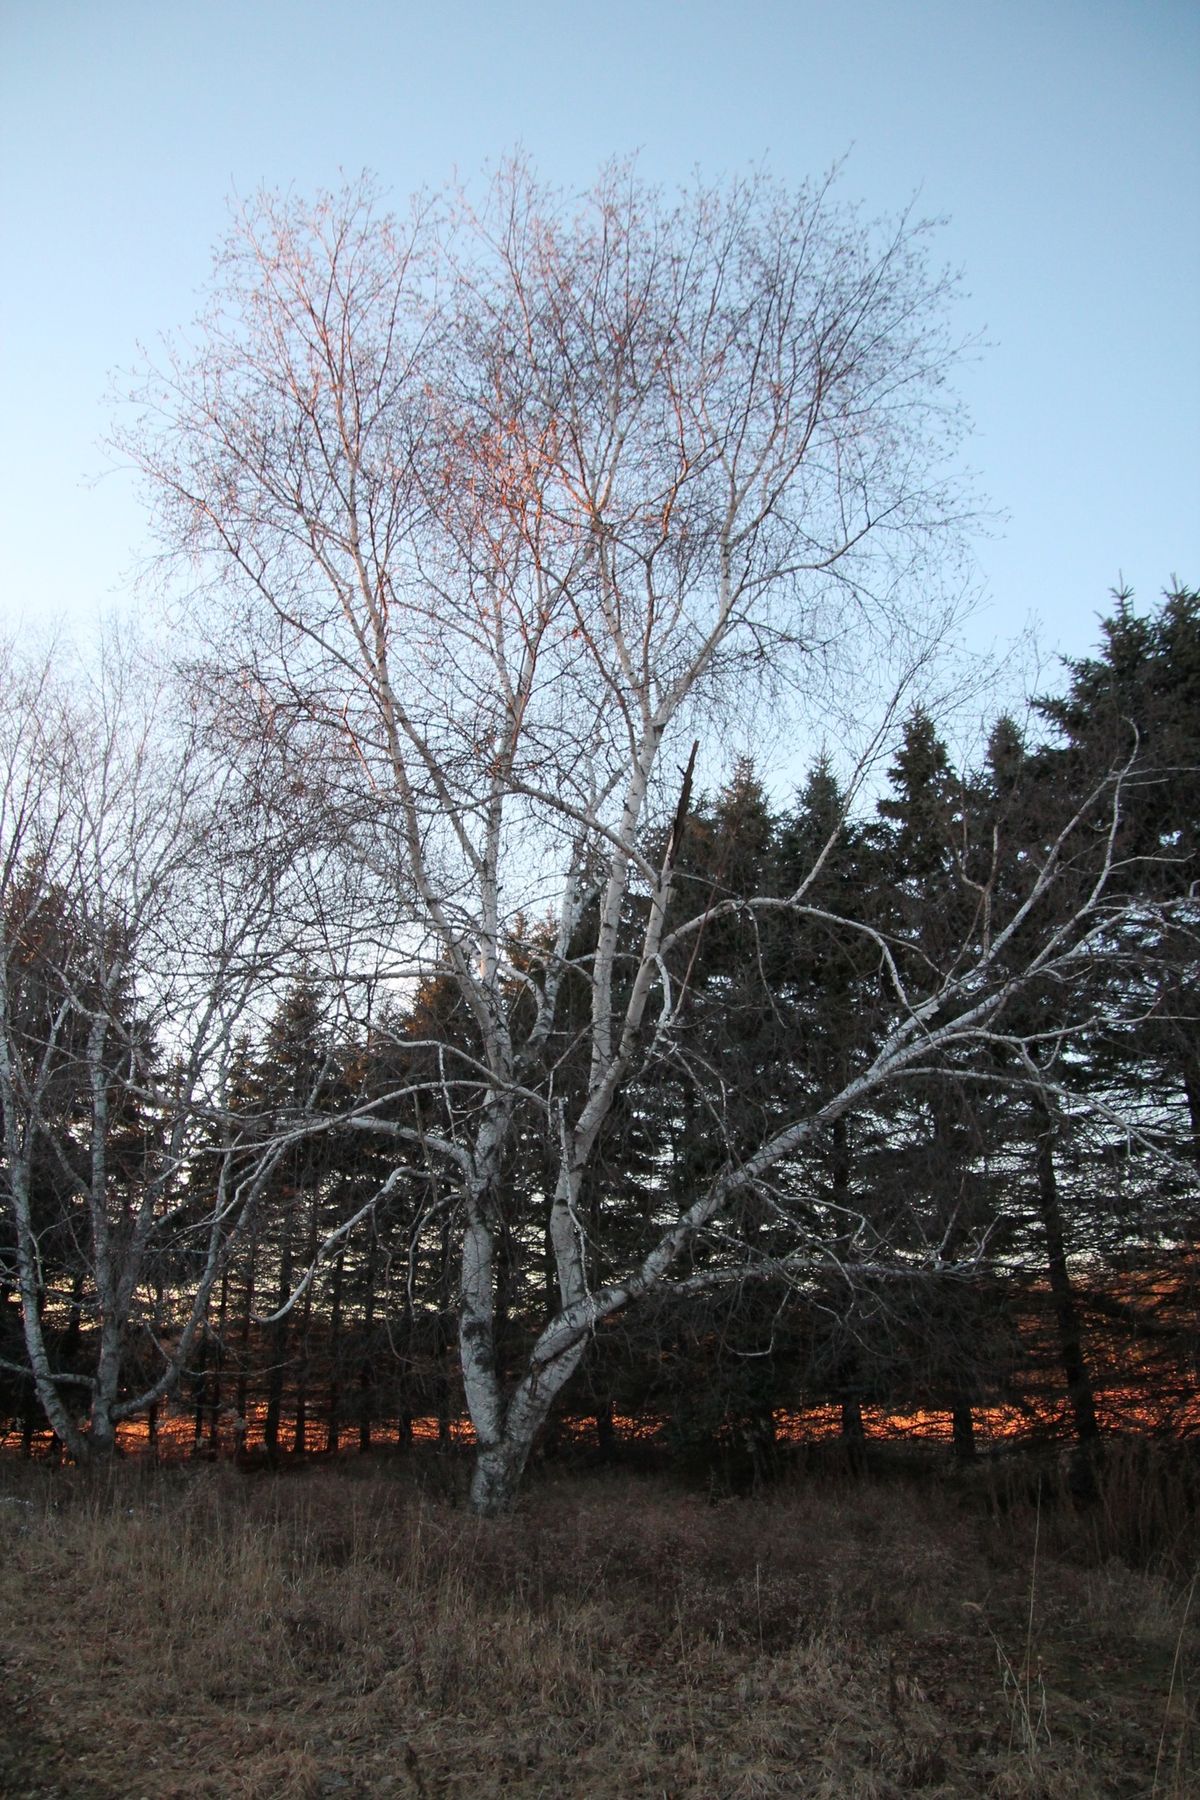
(1060, 138)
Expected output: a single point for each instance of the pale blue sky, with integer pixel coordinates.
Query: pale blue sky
(1060, 138)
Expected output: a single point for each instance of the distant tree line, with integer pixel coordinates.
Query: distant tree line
(243, 1210)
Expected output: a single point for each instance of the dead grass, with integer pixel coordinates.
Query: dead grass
(346, 1631)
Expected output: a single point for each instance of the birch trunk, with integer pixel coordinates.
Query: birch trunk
(500, 1464)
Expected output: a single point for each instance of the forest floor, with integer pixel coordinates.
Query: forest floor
(350, 1631)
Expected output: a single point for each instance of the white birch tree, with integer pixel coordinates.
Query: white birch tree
(141, 887)
(496, 512)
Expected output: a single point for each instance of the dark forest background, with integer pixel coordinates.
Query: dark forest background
(1010, 1251)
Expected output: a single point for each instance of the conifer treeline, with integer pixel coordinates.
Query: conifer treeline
(1008, 1241)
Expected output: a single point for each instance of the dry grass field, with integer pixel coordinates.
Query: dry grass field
(350, 1631)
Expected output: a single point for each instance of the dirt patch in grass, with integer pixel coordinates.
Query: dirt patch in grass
(195, 1632)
